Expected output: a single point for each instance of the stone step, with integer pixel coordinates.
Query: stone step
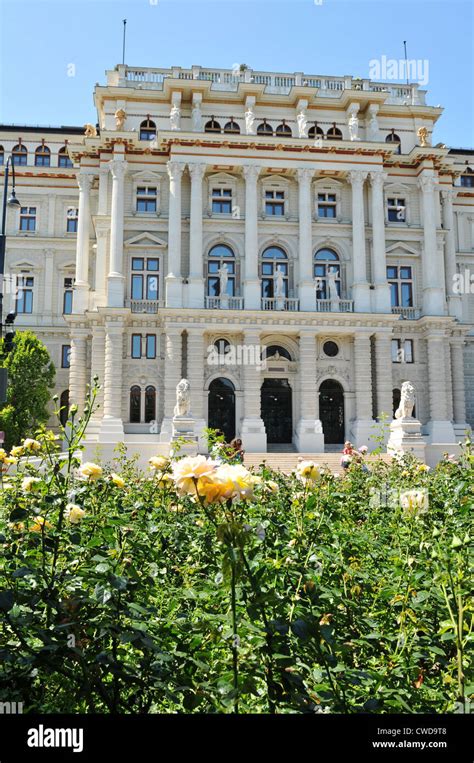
(286, 462)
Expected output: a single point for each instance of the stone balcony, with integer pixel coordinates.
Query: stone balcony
(408, 313)
(278, 83)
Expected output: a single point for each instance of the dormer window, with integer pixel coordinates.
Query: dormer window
(232, 127)
(283, 130)
(315, 131)
(334, 133)
(212, 126)
(264, 128)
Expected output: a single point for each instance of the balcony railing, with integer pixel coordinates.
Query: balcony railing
(144, 305)
(409, 313)
(333, 306)
(280, 303)
(274, 82)
(224, 303)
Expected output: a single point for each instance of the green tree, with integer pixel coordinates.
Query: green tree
(30, 377)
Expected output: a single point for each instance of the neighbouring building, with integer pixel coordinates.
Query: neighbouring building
(292, 244)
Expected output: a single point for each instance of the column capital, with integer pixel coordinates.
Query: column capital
(251, 172)
(378, 179)
(118, 168)
(357, 177)
(427, 183)
(304, 176)
(175, 169)
(449, 194)
(84, 181)
(197, 171)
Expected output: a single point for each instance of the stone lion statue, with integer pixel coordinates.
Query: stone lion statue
(407, 401)
(183, 398)
(90, 131)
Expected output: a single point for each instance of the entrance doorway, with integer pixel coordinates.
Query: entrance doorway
(276, 410)
(331, 411)
(221, 412)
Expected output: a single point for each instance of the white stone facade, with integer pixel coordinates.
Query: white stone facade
(369, 235)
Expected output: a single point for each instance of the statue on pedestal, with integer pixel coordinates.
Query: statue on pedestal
(333, 294)
(354, 126)
(407, 401)
(279, 283)
(422, 133)
(250, 121)
(120, 117)
(302, 124)
(183, 398)
(175, 117)
(196, 118)
(223, 279)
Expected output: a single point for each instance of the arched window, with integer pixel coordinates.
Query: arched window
(19, 156)
(222, 347)
(334, 133)
(64, 407)
(284, 130)
(392, 137)
(232, 127)
(135, 404)
(264, 128)
(212, 126)
(315, 131)
(275, 350)
(274, 259)
(220, 270)
(326, 260)
(63, 158)
(150, 404)
(467, 178)
(147, 129)
(2, 155)
(42, 156)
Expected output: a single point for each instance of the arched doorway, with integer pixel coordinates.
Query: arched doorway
(331, 411)
(221, 409)
(276, 410)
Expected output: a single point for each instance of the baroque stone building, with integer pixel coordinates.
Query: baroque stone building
(292, 244)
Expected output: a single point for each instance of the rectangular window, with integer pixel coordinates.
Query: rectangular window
(147, 197)
(402, 351)
(222, 201)
(65, 356)
(145, 282)
(327, 205)
(24, 295)
(275, 203)
(67, 298)
(71, 220)
(136, 346)
(42, 159)
(401, 285)
(28, 218)
(396, 351)
(396, 210)
(151, 346)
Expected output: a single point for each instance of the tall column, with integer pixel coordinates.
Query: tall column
(439, 428)
(103, 188)
(254, 437)
(454, 300)
(379, 262)
(115, 279)
(81, 286)
(360, 286)
(459, 390)
(252, 293)
(111, 429)
(50, 287)
(432, 261)
(172, 375)
(97, 369)
(363, 427)
(306, 291)
(196, 279)
(383, 378)
(100, 291)
(78, 367)
(309, 432)
(174, 281)
(195, 372)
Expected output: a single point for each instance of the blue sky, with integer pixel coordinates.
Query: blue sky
(39, 40)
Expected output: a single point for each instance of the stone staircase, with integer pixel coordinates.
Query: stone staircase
(286, 462)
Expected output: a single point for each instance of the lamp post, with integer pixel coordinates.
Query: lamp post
(12, 201)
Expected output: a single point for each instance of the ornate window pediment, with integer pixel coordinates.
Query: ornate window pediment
(145, 241)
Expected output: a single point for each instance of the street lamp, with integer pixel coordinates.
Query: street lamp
(10, 201)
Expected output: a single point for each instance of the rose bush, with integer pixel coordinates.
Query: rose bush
(202, 587)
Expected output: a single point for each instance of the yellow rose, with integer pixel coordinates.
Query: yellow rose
(117, 480)
(90, 471)
(10, 460)
(17, 451)
(189, 469)
(29, 484)
(236, 480)
(308, 470)
(158, 462)
(39, 524)
(3, 455)
(74, 513)
(414, 502)
(30, 444)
